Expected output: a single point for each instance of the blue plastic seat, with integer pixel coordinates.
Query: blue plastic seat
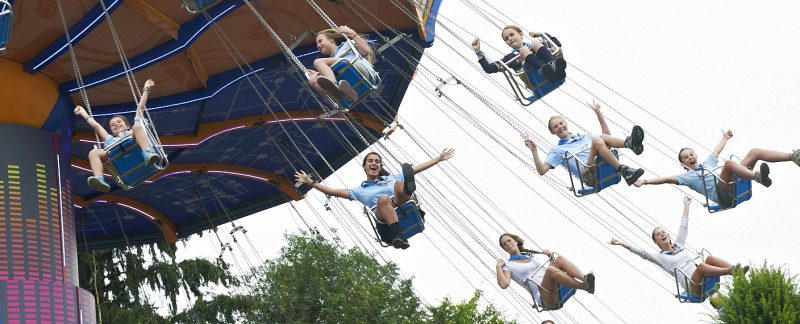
(6, 21)
(410, 219)
(127, 165)
(710, 287)
(538, 84)
(359, 80)
(742, 191)
(606, 175)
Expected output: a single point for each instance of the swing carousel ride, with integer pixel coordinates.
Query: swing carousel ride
(231, 109)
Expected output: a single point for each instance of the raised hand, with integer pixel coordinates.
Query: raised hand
(446, 154)
(476, 44)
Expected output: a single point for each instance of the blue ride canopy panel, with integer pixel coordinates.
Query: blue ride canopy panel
(126, 163)
(742, 191)
(195, 6)
(710, 287)
(6, 20)
(410, 219)
(344, 70)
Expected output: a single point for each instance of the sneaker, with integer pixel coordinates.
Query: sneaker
(408, 184)
(348, 91)
(150, 157)
(98, 183)
(561, 65)
(330, 86)
(738, 267)
(634, 142)
(714, 300)
(400, 242)
(796, 156)
(762, 176)
(549, 72)
(630, 174)
(588, 282)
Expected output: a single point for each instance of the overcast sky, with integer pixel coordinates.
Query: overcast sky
(697, 66)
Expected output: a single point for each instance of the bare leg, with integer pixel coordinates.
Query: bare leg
(553, 276)
(96, 159)
(385, 211)
(758, 154)
(712, 266)
(599, 147)
(564, 264)
(323, 66)
(400, 196)
(140, 136)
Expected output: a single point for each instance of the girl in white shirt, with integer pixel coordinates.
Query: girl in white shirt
(672, 256)
(525, 267)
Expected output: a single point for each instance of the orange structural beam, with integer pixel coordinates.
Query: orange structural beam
(282, 183)
(208, 130)
(154, 17)
(158, 219)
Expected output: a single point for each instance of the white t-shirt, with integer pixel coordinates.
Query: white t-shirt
(528, 274)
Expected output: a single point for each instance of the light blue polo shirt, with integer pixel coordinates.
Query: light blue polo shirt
(348, 52)
(693, 179)
(111, 139)
(369, 191)
(578, 145)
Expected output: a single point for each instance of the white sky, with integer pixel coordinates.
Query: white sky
(699, 66)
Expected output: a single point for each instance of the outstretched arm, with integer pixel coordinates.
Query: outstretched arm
(721, 145)
(361, 43)
(656, 181)
(101, 132)
(503, 277)
(641, 253)
(302, 177)
(683, 232)
(541, 167)
(444, 156)
(600, 118)
(143, 100)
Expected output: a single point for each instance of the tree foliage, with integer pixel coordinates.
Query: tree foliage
(119, 279)
(765, 295)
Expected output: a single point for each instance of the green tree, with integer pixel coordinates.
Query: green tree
(765, 295)
(119, 278)
(466, 312)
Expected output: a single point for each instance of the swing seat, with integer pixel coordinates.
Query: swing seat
(359, 80)
(710, 288)
(6, 20)
(538, 84)
(607, 176)
(564, 294)
(195, 6)
(410, 219)
(126, 163)
(742, 191)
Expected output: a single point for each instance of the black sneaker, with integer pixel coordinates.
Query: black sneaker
(634, 142)
(630, 174)
(408, 174)
(549, 72)
(561, 68)
(588, 282)
(762, 176)
(400, 242)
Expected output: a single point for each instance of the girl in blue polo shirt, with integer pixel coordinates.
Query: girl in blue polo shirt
(672, 257)
(585, 147)
(706, 184)
(120, 127)
(332, 42)
(381, 192)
